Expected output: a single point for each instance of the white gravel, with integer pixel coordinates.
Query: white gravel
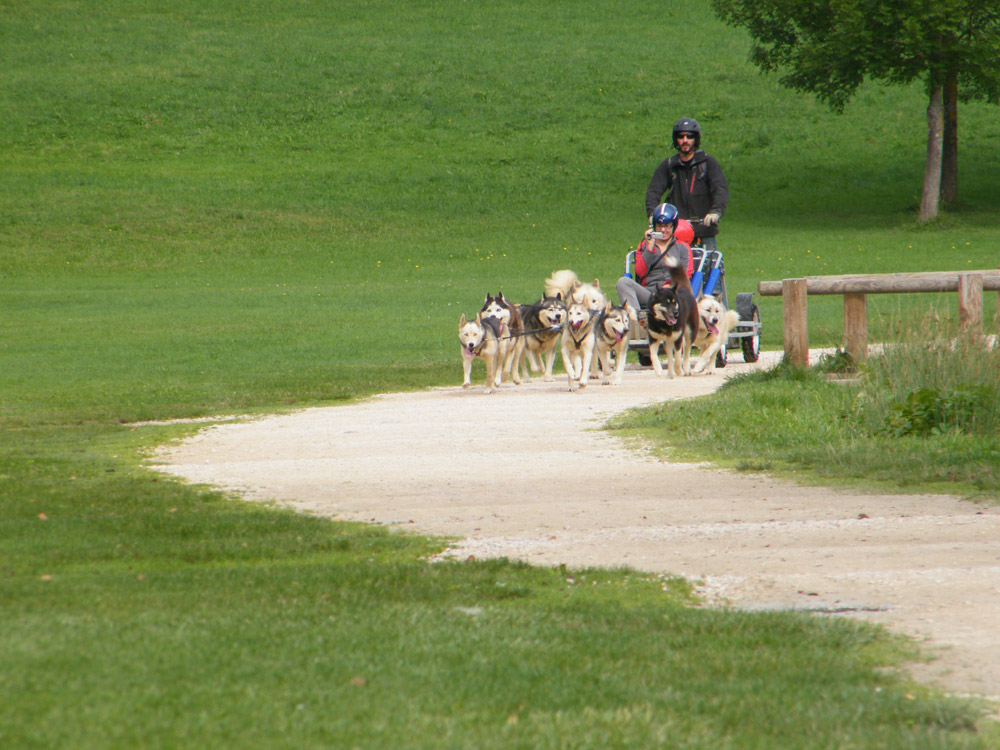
(526, 473)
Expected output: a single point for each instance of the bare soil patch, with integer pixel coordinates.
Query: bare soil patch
(526, 473)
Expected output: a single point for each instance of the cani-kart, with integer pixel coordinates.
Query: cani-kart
(709, 277)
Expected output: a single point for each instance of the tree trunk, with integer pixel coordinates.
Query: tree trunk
(949, 150)
(932, 168)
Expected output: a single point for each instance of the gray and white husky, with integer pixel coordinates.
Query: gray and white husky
(543, 322)
(498, 308)
(611, 336)
(488, 339)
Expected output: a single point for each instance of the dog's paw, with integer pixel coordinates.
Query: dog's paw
(466, 385)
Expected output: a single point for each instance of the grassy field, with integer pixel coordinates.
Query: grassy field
(209, 208)
(923, 417)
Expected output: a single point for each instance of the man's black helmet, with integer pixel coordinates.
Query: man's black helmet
(687, 125)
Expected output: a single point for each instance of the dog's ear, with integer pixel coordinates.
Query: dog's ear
(479, 318)
(463, 321)
(607, 307)
(597, 284)
(501, 299)
(559, 296)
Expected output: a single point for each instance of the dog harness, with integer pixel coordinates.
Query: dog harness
(495, 326)
(585, 328)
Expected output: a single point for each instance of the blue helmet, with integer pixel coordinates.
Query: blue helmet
(665, 213)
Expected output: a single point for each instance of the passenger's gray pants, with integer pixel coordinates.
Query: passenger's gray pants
(632, 293)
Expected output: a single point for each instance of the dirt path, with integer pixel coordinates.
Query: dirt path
(525, 473)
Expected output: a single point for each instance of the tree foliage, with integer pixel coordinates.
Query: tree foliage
(830, 47)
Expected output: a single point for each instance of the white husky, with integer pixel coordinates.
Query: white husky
(578, 344)
(715, 323)
(566, 283)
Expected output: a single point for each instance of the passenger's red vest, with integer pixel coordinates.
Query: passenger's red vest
(640, 261)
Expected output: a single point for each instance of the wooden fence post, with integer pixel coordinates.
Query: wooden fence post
(856, 326)
(970, 303)
(793, 303)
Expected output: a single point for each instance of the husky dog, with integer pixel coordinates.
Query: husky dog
(578, 341)
(542, 323)
(611, 335)
(565, 282)
(673, 321)
(487, 338)
(498, 308)
(715, 324)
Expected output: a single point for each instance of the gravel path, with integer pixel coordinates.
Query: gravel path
(527, 473)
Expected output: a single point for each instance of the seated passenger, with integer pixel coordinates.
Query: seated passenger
(651, 272)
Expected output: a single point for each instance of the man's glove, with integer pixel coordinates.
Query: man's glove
(710, 219)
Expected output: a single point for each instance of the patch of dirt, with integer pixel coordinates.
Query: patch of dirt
(526, 473)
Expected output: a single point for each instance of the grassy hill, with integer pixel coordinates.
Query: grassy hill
(282, 184)
(212, 207)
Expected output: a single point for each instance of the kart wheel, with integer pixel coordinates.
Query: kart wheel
(722, 355)
(751, 344)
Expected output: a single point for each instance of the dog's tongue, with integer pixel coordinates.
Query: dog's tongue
(713, 329)
(576, 324)
(467, 353)
(618, 337)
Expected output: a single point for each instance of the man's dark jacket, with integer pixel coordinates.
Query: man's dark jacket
(696, 188)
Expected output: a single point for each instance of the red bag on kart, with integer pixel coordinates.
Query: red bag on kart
(684, 233)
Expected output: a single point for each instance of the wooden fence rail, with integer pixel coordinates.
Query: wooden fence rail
(854, 288)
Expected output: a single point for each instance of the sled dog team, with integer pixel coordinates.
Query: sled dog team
(513, 339)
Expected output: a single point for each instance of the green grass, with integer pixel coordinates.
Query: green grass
(140, 612)
(211, 208)
(924, 416)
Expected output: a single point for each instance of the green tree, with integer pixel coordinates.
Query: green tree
(829, 47)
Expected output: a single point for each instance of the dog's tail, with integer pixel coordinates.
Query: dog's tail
(678, 275)
(729, 321)
(561, 282)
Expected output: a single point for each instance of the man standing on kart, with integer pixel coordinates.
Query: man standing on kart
(694, 183)
(651, 272)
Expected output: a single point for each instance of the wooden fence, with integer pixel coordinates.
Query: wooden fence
(855, 288)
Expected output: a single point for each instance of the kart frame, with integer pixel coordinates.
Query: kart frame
(709, 277)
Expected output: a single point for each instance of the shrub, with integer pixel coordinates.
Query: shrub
(931, 384)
